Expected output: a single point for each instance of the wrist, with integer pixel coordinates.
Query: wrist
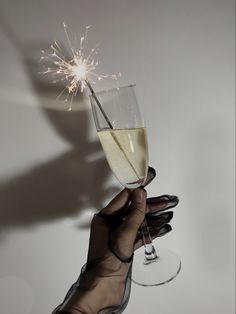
(96, 291)
(94, 295)
(98, 287)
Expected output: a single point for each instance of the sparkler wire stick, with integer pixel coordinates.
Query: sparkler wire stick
(99, 104)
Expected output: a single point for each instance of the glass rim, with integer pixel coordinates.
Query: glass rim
(111, 90)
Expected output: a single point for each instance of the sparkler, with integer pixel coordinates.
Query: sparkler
(77, 71)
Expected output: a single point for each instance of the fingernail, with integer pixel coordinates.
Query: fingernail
(151, 175)
(173, 198)
(172, 201)
(152, 172)
(164, 230)
(168, 216)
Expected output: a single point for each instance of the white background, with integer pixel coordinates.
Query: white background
(53, 175)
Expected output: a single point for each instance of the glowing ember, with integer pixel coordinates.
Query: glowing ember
(80, 71)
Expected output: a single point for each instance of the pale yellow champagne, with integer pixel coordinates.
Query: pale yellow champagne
(127, 154)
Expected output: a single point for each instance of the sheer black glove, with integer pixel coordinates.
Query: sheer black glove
(105, 281)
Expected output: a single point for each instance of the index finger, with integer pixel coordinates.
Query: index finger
(161, 203)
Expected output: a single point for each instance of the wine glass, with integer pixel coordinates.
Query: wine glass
(122, 133)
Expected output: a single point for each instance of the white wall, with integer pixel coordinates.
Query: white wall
(53, 175)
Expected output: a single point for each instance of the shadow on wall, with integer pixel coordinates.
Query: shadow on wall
(70, 182)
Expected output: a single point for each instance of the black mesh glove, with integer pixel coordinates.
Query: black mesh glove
(105, 281)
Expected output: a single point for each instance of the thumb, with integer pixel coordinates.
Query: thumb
(124, 238)
(136, 213)
(137, 210)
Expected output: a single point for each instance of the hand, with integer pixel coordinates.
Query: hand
(113, 238)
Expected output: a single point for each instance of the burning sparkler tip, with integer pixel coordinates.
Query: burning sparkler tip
(79, 70)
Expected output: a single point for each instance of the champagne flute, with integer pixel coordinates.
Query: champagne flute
(123, 136)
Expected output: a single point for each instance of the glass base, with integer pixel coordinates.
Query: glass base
(162, 270)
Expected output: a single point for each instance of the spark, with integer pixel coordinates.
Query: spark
(77, 69)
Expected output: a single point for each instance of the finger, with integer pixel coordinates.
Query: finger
(154, 232)
(159, 220)
(150, 176)
(161, 203)
(119, 202)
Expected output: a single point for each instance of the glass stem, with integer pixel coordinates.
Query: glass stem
(150, 252)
